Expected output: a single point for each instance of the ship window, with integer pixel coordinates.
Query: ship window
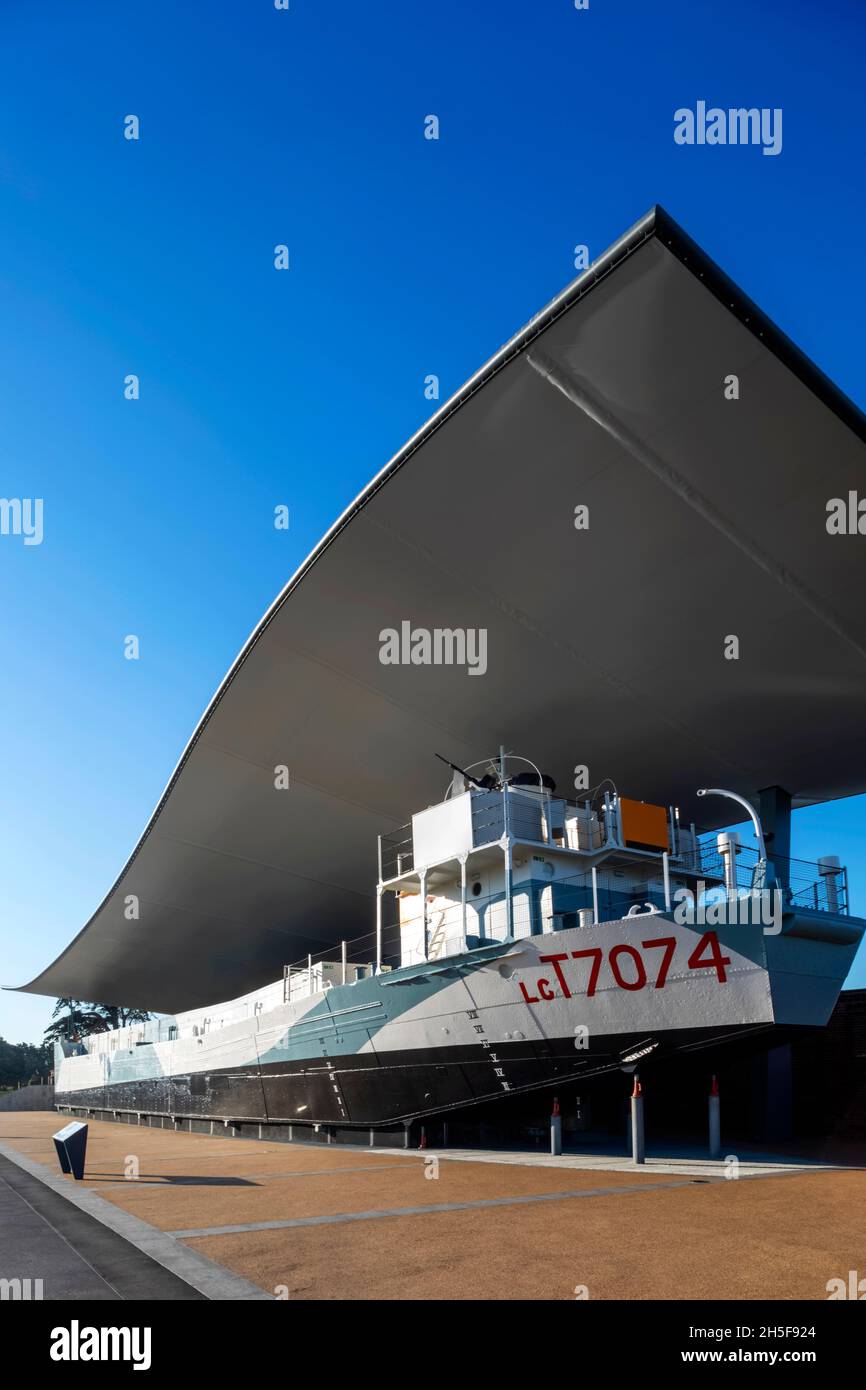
(476, 889)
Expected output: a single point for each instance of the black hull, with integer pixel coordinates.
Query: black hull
(361, 1090)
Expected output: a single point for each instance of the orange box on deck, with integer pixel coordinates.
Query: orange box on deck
(643, 824)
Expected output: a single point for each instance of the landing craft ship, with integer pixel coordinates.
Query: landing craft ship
(563, 552)
(537, 940)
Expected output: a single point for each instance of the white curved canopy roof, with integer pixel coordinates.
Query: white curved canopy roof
(604, 646)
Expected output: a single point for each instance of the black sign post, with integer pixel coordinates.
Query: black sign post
(71, 1145)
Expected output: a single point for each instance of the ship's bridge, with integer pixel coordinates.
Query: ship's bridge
(489, 863)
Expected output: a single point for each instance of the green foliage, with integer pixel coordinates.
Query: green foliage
(21, 1061)
(73, 1019)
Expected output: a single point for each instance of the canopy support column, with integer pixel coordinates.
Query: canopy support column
(774, 808)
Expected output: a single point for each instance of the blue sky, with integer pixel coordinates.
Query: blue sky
(408, 257)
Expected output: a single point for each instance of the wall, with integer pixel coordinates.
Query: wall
(29, 1098)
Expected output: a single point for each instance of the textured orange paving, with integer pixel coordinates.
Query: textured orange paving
(777, 1237)
(765, 1239)
(247, 1182)
(385, 1189)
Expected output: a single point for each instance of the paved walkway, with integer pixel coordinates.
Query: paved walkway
(60, 1243)
(60, 1252)
(239, 1218)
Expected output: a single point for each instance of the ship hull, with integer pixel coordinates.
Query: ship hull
(512, 1017)
(360, 1091)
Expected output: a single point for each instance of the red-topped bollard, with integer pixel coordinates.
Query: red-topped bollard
(555, 1128)
(715, 1121)
(638, 1148)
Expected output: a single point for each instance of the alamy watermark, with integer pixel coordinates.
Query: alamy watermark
(21, 1290)
(854, 1287)
(438, 646)
(846, 516)
(713, 125)
(22, 516)
(77, 1343)
(756, 907)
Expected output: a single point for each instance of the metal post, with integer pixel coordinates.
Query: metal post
(463, 893)
(715, 1121)
(506, 819)
(378, 929)
(594, 896)
(422, 877)
(638, 1151)
(509, 916)
(555, 1129)
(343, 959)
(666, 871)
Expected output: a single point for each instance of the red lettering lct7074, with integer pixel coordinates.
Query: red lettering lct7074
(628, 967)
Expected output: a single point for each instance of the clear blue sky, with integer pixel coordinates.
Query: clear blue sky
(408, 257)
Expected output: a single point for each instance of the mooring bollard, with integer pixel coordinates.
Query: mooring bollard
(715, 1121)
(555, 1128)
(637, 1133)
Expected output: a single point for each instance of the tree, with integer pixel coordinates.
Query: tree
(116, 1016)
(20, 1061)
(75, 1020)
(70, 1021)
